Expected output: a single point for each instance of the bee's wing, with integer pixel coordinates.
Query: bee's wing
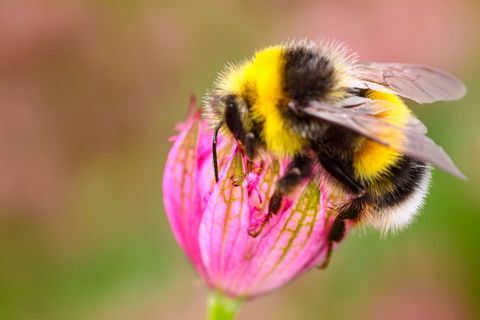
(417, 126)
(376, 107)
(416, 82)
(410, 140)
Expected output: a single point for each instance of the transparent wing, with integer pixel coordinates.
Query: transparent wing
(410, 141)
(416, 82)
(416, 125)
(376, 107)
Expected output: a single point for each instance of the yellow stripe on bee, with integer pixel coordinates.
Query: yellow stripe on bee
(373, 159)
(262, 80)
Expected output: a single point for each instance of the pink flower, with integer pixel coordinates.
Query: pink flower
(224, 228)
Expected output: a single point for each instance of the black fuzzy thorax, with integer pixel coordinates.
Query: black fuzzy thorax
(308, 75)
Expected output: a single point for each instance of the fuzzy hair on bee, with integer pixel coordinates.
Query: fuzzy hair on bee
(315, 104)
(332, 58)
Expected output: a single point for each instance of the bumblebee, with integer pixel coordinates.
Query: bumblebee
(317, 105)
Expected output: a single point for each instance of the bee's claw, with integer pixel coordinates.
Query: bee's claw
(328, 256)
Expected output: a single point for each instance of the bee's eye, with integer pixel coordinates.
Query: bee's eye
(233, 119)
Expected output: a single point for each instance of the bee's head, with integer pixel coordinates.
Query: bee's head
(231, 113)
(235, 116)
(227, 110)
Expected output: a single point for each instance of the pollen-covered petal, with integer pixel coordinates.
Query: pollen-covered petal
(181, 199)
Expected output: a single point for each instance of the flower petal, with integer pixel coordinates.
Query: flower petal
(181, 200)
(213, 221)
(241, 265)
(284, 249)
(225, 221)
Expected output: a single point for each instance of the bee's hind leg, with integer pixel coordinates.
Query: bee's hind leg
(299, 169)
(349, 211)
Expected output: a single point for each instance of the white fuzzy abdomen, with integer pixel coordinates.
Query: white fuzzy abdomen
(400, 215)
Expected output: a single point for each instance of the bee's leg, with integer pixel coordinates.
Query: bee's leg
(250, 147)
(299, 169)
(350, 211)
(250, 142)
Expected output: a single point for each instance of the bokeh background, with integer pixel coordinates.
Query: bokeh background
(89, 94)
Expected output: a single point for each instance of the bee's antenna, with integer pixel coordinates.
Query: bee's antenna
(214, 150)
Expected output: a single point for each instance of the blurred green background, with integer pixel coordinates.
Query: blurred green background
(89, 94)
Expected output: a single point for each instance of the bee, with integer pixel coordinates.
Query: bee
(315, 103)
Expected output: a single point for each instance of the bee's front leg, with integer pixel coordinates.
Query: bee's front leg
(250, 147)
(299, 169)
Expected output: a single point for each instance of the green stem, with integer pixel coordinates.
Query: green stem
(221, 307)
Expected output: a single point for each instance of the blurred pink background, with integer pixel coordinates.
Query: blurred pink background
(89, 94)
